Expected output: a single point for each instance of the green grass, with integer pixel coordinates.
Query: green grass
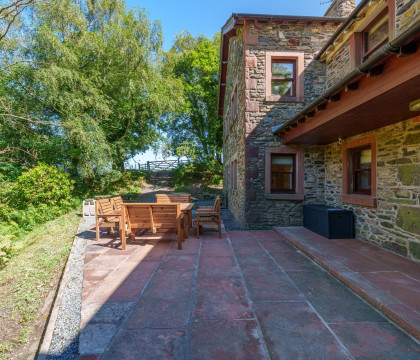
(28, 277)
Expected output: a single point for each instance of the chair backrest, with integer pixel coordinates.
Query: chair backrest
(166, 216)
(216, 207)
(117, 201)
(139, 216)
(104, 207)
(173, 198)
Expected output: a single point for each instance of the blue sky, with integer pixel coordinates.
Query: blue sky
(208, 17)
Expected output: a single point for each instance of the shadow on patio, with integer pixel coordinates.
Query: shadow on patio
(249, 295)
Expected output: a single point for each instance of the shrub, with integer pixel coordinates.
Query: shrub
(206, 173)
(42, 185)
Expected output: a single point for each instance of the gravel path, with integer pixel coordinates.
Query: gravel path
(65, 340)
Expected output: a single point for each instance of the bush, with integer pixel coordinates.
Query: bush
(42, 185)
(206, 173)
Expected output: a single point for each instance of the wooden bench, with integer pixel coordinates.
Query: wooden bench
(173, 198)
(209, 215)
(153, 216)
(105, 216)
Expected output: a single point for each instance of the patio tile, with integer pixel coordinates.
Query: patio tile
(225, 340)
(88, 357)
(220, 266)
(147, 344)
(166, 302)
(269, 283)
(292, 330)
(222, 298)
(216, 249)
(94, 338)
(149, 252)
(294, 261)
(189, 247)
(370, 340)
(123, 286)
(357, 245)
(398, 285)
(331, 299)
(177, 263)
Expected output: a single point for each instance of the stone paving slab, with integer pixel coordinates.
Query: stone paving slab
(249, 295)
(389, 282)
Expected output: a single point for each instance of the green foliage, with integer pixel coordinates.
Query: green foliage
(204, 173)
(43, 185)
(195, 129)
(87, 91)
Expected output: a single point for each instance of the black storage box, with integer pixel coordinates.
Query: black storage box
(327, 221)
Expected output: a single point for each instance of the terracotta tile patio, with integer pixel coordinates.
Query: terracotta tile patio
(249, 295)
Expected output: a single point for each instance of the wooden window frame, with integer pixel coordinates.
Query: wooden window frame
(298, 178)
(234, 173)
(366, 54)
(293, 173)
(287, 56)
(292, 79)
(348, 194)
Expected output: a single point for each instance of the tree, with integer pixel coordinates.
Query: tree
(90, 83)
(196, 128)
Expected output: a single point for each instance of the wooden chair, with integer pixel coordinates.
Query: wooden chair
(138, 217)
(209, 215)
(169, 216)
(117, 202)
(105, 216)
(173, 198)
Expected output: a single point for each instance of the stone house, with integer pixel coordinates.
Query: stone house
(325, 110)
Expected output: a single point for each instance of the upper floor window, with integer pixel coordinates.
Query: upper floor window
(375, 35)
(234, 106)
(284, 76)
(234, 174)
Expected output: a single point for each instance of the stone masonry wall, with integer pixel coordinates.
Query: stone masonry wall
(395, 222)
(339, 65)
(341, 8)
(234, 143)
(407, 12)
(260, 116)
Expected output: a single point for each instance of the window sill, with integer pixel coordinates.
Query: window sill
(284, 196)
(279, 98)
(363, 200)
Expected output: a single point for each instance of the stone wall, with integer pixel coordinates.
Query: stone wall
(260, 116)
(339, 65)
(407, 12)
(234, 142)
(395, 222)
(341, 8)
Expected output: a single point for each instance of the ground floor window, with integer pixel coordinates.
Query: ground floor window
(359, 171)
(284, 173)
(234, 173)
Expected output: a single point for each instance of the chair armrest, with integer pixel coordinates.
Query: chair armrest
(207, 213)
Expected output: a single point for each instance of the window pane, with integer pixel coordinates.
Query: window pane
(279, 87)
(364, 159)
(282, 70)
(363, 181)
(377, 33)
(282, 168)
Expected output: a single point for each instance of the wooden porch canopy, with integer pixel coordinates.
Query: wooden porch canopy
(375, 94)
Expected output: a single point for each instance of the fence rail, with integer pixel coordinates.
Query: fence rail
(158, 165)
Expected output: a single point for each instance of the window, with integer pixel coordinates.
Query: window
(284, 173)
(234, 106)
(226, 176)
(359, 171)
(375, 35)
(234, 175)
(284, 76)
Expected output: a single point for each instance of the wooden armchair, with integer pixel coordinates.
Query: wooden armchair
(138, 217)
(117, 202)
(169, 216)
(209, 215)
(105, 216)
(173, 198)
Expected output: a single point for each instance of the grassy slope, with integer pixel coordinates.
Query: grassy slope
(28, 278)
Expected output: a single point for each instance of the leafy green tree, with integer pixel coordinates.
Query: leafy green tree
(88, 87)
(195, 129)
